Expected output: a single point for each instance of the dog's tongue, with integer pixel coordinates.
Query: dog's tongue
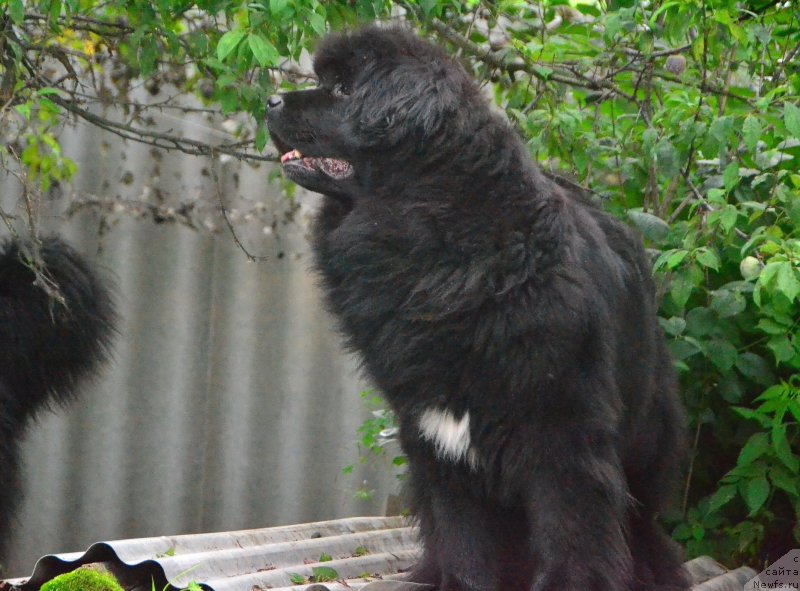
(334, 167)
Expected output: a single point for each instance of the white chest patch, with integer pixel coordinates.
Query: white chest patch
(449, 436)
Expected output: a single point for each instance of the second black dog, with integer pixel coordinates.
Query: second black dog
(46, 346)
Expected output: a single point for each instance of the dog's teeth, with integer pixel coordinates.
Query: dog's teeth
(293, 155)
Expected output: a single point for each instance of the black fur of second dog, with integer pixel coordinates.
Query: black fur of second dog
(46, 347)
(511, 326)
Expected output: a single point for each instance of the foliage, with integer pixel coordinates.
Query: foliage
(376, 436)
(697, 145)
(296, 579)
(83, 579)
(680, 116)
(360, 551)
(319, 574)
(323, 574)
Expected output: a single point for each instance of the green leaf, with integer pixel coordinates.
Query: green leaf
(278, 7)
(296, 579)
(698, 531)
(776, 392)
(228, 42)
(262, 135)
(682, 532)
(722, 497)
(721, 353)
(428, 6)
(55, 10)
(17, 11)
(681, 349)
(701, 321)
(649, 139)
(324, 574)
(651, 226)
(730, 177)
(148, 55)
(783, 449)
(48, 91)
(681, 289)
(325, 558)
(769, 272)
(718, 135)
(707, 258)
(673, 326)
(756, 492)
(667, 158)
(756, 368)
(772, 327)
(727, 302)
(751, 132)
(676, 258)
(749, 413)
(781, 348)
(787, 280)
(730, 388)
(783, 480)
(317, 22)
(264, 51)
(24, 110)
(791, 117)
(755, 447)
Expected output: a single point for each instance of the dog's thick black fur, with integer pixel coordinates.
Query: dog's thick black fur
(47, 346)
(511, 326)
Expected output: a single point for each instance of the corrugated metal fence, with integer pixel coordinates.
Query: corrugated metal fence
(230, 403)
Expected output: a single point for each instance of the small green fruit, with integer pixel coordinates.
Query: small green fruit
(750, 267)
(676, 64)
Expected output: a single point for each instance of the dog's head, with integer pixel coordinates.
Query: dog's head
(383, 95)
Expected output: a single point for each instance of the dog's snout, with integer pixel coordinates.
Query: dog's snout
(275, 101)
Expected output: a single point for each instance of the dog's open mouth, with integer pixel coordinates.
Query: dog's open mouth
(333, 167)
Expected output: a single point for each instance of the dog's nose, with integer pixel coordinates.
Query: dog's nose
(274, 101)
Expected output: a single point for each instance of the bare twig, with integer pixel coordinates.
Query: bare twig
(690, 472)
(250, 257)
(161, 140)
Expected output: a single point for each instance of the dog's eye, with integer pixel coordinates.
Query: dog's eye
(340, 90)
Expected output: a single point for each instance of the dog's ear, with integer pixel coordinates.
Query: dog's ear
(410, 100)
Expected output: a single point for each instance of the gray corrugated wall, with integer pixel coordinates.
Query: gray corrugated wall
(230, 403)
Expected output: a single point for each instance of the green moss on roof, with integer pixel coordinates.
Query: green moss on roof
(83, 579)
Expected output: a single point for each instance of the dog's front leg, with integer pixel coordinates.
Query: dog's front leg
(577, 504)
(460, 532)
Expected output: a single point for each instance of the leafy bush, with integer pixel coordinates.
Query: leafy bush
(680, 116)
(690, 128)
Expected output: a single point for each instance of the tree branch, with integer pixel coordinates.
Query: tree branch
(498, 59)
(164, 141)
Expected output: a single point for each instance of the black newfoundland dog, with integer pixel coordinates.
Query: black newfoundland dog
(48, 346)
(511, 326)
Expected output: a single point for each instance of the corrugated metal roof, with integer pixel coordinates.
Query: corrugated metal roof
(365, 552)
